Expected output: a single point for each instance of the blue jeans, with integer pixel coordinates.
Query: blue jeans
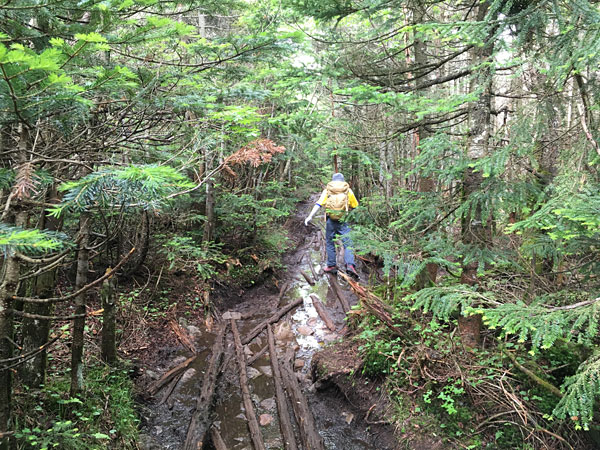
(334, 228)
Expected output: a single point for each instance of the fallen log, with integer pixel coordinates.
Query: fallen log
(285, 422)
(202, 419)
(182, 336)
(283, 290)
(312, 269)
(157, 385)
(376, 307)
(307, 278)
(325, 317)
(271, 320)
(249, 412)
(311, 439)
(339, 294)
(217, 440)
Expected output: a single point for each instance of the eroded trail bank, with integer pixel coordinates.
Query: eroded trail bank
(235, 399)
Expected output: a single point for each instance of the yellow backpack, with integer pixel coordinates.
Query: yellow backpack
(337, 199)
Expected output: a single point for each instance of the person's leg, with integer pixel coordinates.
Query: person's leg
(344, 230)
(329, 244)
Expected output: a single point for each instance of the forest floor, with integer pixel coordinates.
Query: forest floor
(350, 412)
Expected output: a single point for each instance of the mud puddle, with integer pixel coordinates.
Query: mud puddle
(165, 425)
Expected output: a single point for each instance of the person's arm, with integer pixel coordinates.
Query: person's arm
(317, 206)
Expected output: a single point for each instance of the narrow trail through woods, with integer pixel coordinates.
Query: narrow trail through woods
(247, 382)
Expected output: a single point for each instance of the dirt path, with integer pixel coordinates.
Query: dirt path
(298, 336)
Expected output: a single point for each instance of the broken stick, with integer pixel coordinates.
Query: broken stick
(156, 386)
(307, 278)
(249, 412)
(271, 320)
(322, 311)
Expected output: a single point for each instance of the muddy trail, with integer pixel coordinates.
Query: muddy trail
(228, 387)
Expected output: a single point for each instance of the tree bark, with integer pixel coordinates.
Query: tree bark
(109, 322)
(80, 304)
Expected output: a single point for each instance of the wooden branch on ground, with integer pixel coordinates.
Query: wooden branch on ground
(170, 388)
(261, 352)
(307, 278)
(283, 290)
(376, 306)
(533, 377)
(312, 269)
(325, 317)
(339, 294)
(271, 320)
(202, 420)
(250, 414)
(157, 385)
(217, 440)
(182, 335)
(311, 439)
(285, 423)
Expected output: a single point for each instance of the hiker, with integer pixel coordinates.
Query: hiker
(338, 199)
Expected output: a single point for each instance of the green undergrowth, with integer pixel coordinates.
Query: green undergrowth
(103, 416)
(467, 399)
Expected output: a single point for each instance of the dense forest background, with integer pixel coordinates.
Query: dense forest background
(141, 138)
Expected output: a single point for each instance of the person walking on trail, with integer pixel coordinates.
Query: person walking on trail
(338, 199)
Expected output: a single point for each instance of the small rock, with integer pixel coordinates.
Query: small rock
(232, 315)
(252, 373)
(305, 330)
(265, 419)
(247, 351)
(241, 416)
(178, 361)
(329, 337)
(283, 332)
(188, 375)
(268, 404)
(158, 430)
(266, 370)
(299, 364)
(312, 322)
(193, 330)
(348, 417)
(152, 374)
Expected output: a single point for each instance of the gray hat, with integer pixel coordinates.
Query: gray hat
(337, 177)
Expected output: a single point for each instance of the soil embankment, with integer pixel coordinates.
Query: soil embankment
(312, 345)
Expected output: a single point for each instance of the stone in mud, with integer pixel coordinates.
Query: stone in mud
(266, 370)
(188, 374)
(247, 351)
(177, 361)
(348, 417)
(252, 373)
(152, 374)
(265, 419)
(194, 331)
(312, 322)
(305, 330)
(241, 416)
(299, 364)
(232, 315)
(268, 404)
(329, 337)
(283, 332)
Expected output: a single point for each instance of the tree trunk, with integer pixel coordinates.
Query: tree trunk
(80, 304)
(109, 325)
(476, 234)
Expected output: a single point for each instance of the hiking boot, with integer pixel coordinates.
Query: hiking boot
(351, 270)
(330, 269)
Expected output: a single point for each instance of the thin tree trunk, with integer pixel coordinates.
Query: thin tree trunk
(109, 325)
(80, 304)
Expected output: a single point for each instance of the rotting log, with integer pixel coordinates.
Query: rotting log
(157, 385)
(312, 269)
(322, 312)
(376, 306)
(307, 277)
(339, 294)
(202, 419)
(182, 336)
(217, 440)
(249, 412)
(285, 423)
(271, 320)
(257, 355)
(311, 439)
